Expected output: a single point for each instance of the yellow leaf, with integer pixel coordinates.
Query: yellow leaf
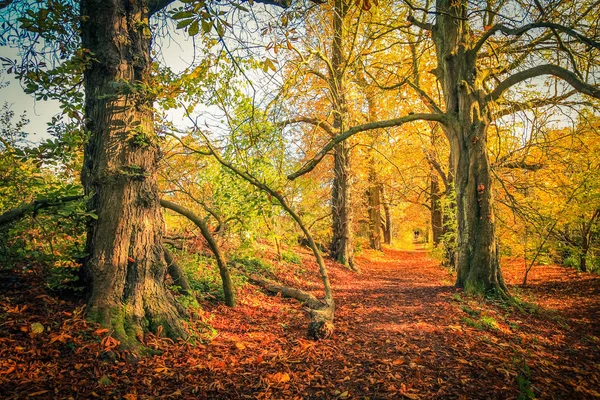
(343, 395)
(285, 377)
(36, 328)
(240, 346)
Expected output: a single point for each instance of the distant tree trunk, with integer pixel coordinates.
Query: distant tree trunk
(586, 235)
(437, 220)
(374, 211)
(387, 229)
(342, 243)
(125, 268)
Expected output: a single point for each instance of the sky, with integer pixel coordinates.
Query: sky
(174, 48)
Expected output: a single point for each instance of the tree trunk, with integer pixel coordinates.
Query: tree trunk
(477, 262)
(125, 267)
(387, 229)
(374, 211)
(437, 222)
(176, 272)
(228, 290)
(585, 245)
(464, 98)
(342, 243)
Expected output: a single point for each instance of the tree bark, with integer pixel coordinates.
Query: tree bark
(177, 273)
(342, 249)
(342, 243)
(464, 97)
(374, 211)
(125, 267)
(437, 220)
(387, 229)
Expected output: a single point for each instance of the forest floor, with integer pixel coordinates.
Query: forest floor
(402, 331)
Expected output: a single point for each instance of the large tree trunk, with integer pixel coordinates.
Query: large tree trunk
(342, 243)
(125, 268)
(477, 262)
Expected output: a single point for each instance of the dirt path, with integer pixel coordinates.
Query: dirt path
(402, 331)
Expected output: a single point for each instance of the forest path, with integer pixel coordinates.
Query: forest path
(402, 331)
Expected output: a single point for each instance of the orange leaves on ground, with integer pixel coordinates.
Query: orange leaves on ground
(400, 333)
(278, 377)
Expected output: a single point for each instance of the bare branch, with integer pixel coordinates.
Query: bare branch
(319, 123)
(311, 164)
(423, 25)
(547, 69)
(520, 31)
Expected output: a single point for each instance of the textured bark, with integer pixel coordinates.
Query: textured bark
(387, 229)
(477, 264)
(437, 220)
(125, 267)
(179, 278)
(342, 243)
(374, 211)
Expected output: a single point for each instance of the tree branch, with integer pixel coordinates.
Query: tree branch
(312, 121)
(221, 263)
(312, 163)
(547, 69)
(16, 213)
(519, 31)
(423, 25)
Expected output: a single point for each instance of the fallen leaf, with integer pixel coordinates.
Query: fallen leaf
(37, 328)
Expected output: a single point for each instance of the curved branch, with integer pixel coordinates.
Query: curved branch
(547, 69)
(512, 108)
(519, 31)
(221, 263)
(312, 163)
(311, 121)
(16, 213)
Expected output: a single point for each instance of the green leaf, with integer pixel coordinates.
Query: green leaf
(183, 14)
(207, 26)
(184, 23)
(194, 28)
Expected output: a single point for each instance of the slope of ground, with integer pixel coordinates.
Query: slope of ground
(402, 331)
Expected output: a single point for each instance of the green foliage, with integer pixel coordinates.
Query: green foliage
(254, 265)
(291, 257)
(524, 383)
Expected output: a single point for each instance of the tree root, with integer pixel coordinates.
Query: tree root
(321, 312)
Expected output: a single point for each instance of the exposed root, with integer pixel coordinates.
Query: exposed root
(321, 313)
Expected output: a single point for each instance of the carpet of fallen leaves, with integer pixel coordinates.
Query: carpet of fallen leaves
(402, 331)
